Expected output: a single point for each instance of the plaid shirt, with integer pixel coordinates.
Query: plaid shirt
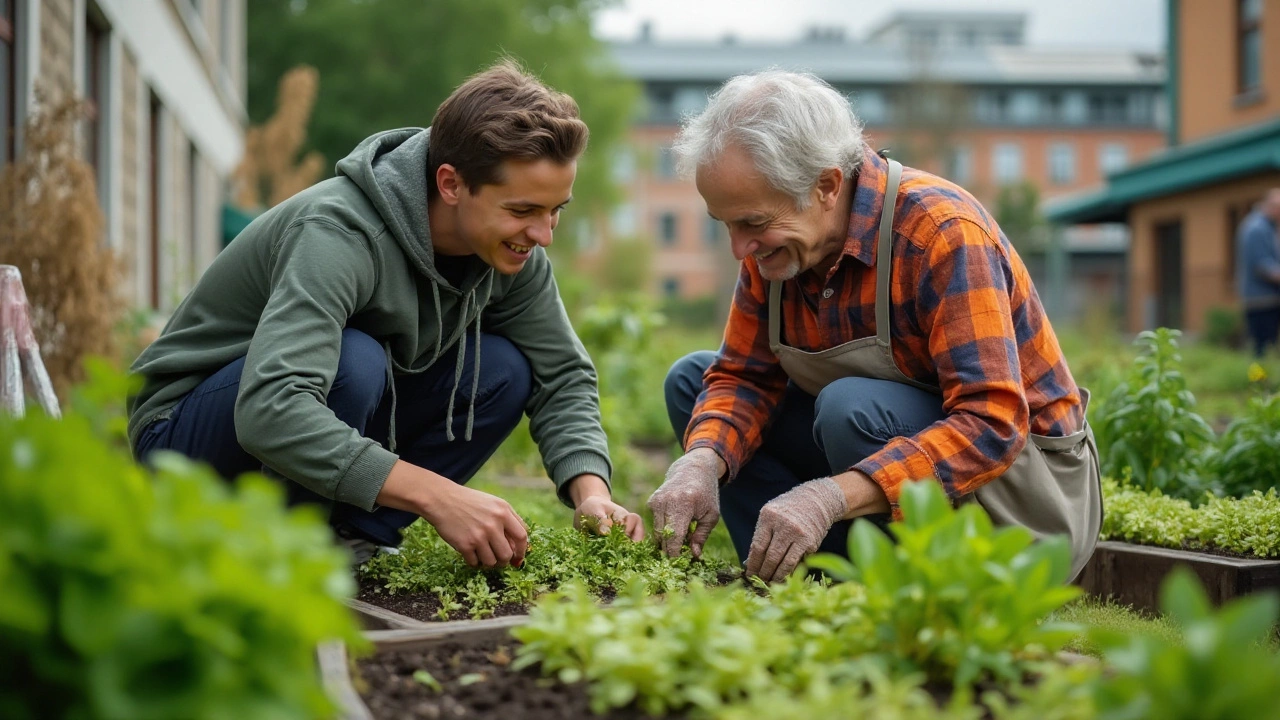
(965, 318)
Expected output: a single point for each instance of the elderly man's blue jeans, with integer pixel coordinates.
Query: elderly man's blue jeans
(202, 427)
(809, 438)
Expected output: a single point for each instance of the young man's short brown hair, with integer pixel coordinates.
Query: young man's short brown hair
(502, 114)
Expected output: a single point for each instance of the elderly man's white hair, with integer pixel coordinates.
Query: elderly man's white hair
(793, 125)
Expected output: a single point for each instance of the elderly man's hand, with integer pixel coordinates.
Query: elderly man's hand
(690, 492)
(792, 526)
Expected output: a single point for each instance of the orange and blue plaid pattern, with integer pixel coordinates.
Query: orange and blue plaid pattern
(965, 318)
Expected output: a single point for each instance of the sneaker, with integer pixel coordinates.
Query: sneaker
(361, 550)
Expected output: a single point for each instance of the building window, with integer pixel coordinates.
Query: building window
(193, 204)
(1007, 161)
(8, 79)
(670, 287)
(155, 147)
(1075, 109)
(622, 221)
(666, 163)
(1249, 45)
(94, 57)
(624, 165)
(1062, 163)
(713, 231)
(1024, 107)
(960, 164)
(689, 101)
(1113, 157)
(667, 228)
(871, 106)
(1109, 108)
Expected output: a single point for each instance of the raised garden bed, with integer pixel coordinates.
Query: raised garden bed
(467, 665)
(1131, 574)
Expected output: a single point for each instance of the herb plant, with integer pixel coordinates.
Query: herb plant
(1248, 453)
(1149, 427)
(1223, 670)
(1247, 526)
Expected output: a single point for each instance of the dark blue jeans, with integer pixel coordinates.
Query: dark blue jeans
(1264, 328)
(202, 426)
(809, 438)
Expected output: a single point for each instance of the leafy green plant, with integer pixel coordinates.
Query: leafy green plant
(556, 556)
(1244, 526)
(955, 598)
(1248, 453)
(133, 596)
(1149, 426)
(1223, 670)
(953, 603)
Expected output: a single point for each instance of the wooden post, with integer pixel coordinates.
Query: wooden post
(19, 352)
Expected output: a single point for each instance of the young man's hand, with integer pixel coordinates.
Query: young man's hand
(690, 492)
(483, 528)
(591, 499)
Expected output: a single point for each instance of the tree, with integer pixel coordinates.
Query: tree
(389, 63)
(1018, 213)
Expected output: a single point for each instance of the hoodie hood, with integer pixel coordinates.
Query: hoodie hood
(391, 169)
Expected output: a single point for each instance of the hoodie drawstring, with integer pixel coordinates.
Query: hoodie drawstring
(467, 299)
(391, 383)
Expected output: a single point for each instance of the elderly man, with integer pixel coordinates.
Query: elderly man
(883, 330)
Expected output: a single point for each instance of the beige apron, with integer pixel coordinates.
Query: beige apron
(1054, 485)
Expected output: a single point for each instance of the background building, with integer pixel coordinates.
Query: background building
(959, 94)
(165, 83)
(1183, 206)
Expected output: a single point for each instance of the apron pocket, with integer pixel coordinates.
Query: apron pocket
(1053, 488)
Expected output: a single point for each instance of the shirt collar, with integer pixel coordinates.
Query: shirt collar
(868, 199)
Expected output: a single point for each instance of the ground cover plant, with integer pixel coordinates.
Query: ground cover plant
(440, 585)
(1247, 526)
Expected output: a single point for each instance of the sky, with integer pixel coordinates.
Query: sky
(1127, 24)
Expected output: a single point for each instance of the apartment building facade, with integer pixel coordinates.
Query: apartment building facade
(1184, 205)
(958, 94)
(165, 85)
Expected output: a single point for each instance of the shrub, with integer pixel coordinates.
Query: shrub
(51, 228)
(129, 595)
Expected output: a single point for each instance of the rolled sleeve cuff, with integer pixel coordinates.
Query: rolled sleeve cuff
(719, 439)
(365, 477)
(575, 464)
(899, 462)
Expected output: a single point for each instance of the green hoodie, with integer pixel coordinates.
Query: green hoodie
(355, 251)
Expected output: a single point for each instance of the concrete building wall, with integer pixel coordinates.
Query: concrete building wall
(57, 48)
(1207, 58)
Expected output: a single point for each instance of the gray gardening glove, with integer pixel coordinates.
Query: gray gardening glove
(792, 525)
(690, 492)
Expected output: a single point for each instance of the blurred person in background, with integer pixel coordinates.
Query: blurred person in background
(373, 339)
(883, 330)
(1258, 272)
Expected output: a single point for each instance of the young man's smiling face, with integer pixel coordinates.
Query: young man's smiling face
(502, 222)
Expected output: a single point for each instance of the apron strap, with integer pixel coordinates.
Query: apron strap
(775, 301)
(884, 253)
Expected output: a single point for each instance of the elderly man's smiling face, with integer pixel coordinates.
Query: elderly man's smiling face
(765, 223)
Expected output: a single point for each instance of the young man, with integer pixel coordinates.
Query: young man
(883, 330)
(375, 338)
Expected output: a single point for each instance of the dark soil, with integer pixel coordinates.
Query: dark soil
(491, 689)
(424, 606)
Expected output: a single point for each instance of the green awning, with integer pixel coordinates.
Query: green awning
(1215, 160)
